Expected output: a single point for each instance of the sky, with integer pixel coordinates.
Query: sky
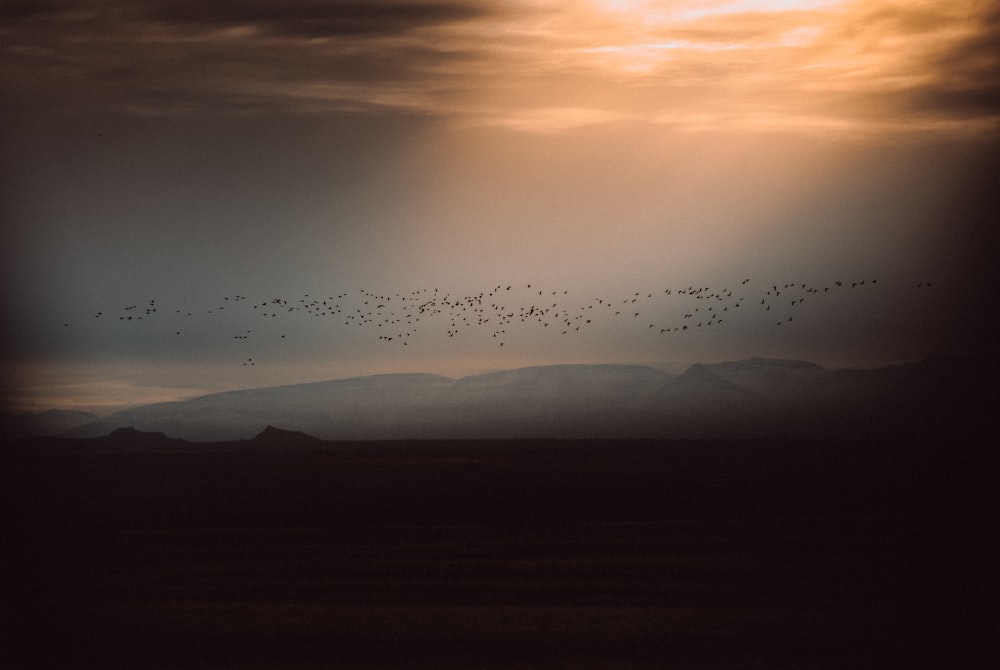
(201, 166)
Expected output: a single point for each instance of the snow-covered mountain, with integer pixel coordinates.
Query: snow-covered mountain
(749, 398)
(548, 401)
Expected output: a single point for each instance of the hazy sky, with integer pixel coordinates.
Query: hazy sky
(171, 155)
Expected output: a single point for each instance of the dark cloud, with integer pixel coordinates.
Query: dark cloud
(23, 9)
(968, 74)
(313, 18)
(960, 76)
(961, 102)
(264, 56)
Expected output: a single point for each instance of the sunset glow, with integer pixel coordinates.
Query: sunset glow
(184, 152)
(785, 63)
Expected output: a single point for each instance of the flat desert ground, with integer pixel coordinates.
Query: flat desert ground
(501, 554)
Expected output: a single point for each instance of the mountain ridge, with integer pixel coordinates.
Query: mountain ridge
(751, 397)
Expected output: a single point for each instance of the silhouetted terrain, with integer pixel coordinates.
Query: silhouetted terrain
(283, 551)
(750, 398)
(861, 539)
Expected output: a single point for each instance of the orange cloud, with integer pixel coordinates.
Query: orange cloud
(807, 66)
(819, 66)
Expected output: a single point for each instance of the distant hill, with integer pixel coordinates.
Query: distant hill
(272, 438)
(130, 439)
(749, 398)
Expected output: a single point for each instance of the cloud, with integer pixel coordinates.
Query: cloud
(966, 72)
(23, 9)
(853, 66)
(916, 65)
(318, 18)
(557, 119)
(170, 57)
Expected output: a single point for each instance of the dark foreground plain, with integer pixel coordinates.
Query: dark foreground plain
(490, 554)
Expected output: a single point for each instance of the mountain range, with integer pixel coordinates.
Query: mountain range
(749, 398)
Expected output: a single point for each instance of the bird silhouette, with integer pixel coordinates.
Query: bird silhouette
(397, 317)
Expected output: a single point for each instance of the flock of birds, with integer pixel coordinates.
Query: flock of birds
(500, 311)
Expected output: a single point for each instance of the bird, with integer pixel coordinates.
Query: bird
(404, 312)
